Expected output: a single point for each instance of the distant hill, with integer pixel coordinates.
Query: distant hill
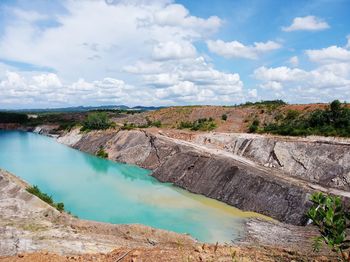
(85, 109)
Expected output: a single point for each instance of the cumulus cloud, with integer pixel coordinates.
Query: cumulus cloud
(151, 58)
(236, 49)
(329, 54)
(348, 43)
(110, 36)
(294, 61)
(329, 80)
(191, 81)
(306, 23)
(47, 90)
(320, 84)
(173, 50)
(252, 93)
(178, 15)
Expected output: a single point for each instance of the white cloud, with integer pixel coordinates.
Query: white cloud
(47, 90)
(253, 93)
(101, 38)
(177, 15)
(271, 85)
(329, 54)
(320, 84)
(236, 49)
(306, 23)
(348, 43)
(294, 61)
(47, 80)
(191, 81)
(173, 50)
(146, 47)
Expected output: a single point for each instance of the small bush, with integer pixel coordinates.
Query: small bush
(202, 124)
(157, 123)
(102, 153)
(328, 214)
(128, 126)
(185, 124)
(45, 197)
(224, 117)
(96, 121)
(254, 126)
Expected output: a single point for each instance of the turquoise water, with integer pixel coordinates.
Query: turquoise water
(102, 190)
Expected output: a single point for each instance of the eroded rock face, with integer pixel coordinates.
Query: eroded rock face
(243, 185)
(323, 161)
(240, 186)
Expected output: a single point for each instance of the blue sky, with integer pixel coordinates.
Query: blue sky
(163, 52)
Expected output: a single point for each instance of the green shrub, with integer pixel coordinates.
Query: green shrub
(102, 153)
(45, 197)
(128, 126)
(224, 117)
(254, 126)
(157, 123)
(202, 124)
(185, 124)
(328, 214)
(96, 121)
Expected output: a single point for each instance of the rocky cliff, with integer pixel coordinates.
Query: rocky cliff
(325, 161)
(228, 175)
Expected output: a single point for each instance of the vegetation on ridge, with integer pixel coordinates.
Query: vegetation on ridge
(96, 121)
(332, 121)
(45, 197)
(202, 124)
(9, 117)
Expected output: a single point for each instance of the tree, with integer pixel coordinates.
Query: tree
(328, 214)
(97, 120)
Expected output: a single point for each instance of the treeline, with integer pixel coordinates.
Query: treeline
(277, 102)
(9, 117)
(332, 121)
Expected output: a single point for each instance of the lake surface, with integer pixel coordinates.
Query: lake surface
(98, 189)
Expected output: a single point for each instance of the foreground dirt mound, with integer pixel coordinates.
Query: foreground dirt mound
(199, 253)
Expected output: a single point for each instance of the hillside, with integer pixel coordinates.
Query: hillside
(238, 120)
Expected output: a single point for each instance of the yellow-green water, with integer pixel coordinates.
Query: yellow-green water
(102, 190)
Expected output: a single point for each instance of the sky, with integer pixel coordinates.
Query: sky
(62, 53)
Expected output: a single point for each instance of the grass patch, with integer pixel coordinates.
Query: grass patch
(45, 197)
(102, 153)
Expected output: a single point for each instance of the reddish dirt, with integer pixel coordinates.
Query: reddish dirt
(199, 253)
